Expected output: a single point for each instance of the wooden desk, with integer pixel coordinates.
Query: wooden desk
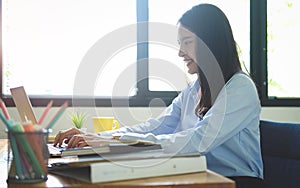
(206, 179)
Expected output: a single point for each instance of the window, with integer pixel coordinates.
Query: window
(274, 39)
(283, 28)
(46, 45)
(96, 51)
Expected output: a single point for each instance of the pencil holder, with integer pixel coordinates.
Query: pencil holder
(28, 156)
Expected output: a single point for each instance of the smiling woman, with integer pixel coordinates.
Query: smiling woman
(208, 117)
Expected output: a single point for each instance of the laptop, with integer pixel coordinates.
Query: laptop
(23, 104)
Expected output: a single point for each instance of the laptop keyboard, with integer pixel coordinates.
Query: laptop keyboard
(55, 150)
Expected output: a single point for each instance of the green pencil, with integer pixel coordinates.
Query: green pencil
(57, 115)
(17, 158)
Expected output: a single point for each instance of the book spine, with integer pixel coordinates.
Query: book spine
(123, 170)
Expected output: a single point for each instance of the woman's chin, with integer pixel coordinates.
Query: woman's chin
(190, 71)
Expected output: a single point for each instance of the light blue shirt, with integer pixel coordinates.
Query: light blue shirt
(228, 135)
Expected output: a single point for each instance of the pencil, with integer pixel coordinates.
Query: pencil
(7, 122)
(17, 157)
(49, 105)
(4, 109)
(33, 139)
(28, 150)
(57, 115)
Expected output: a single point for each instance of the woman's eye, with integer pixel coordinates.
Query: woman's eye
(187, 42)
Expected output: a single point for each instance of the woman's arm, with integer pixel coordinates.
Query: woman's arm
(236, 108)
(166, 123)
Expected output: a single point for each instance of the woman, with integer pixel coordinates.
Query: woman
(217, 115)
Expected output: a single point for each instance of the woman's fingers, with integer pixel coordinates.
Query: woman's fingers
(62, 135)
(81, 140)
(75, 141)
(83, 144)
(59, 138)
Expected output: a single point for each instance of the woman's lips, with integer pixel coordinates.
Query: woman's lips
(188, 62)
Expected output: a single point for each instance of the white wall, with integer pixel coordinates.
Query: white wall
(285, 114)
(131, 116)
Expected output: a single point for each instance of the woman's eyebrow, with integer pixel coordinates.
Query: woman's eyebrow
(184, 38)
(187, 37)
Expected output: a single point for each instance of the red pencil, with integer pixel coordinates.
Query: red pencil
(4, 109)
(57, 115)
(49, 105)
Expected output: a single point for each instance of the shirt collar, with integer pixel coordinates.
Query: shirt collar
(194, 85)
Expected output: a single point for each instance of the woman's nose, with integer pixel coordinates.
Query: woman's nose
(180, 53)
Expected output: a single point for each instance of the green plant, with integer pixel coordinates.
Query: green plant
(78, 119)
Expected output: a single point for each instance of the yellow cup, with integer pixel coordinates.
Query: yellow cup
(105, 124)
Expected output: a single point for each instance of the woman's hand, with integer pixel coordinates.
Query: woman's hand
(81, 140)
(76, 138)
(65, 136)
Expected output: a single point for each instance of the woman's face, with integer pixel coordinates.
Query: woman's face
(187, 42)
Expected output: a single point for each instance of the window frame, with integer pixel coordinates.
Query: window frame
(143, 97)
(258, 55)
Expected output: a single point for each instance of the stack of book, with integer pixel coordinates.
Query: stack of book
(111, 147)
(115, 167)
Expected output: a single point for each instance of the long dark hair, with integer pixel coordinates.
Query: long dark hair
(211, 25)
